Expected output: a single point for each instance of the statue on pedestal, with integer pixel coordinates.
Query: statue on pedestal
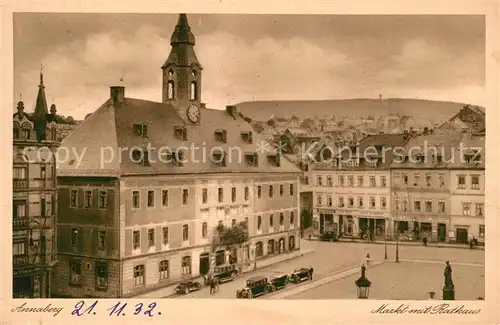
(448, 281)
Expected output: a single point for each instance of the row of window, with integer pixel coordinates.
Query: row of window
(163, 270)
(271, 191)
(404, 179)
(291, 216)
(89, 201)
(351, 202)
(24, 132)
(427, 206)
(341, 181)
(462, 182)
(19, 208)
(21, 173)
(100, 275)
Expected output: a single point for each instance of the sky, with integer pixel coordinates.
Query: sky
(251, 57)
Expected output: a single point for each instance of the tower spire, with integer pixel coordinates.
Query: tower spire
(182, 33)
(41, 75)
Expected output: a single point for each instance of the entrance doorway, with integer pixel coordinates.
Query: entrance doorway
(23, 287)
(441, 232)
(204, 263)
(462, 236)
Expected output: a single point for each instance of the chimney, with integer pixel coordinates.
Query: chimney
(232, 110)
(117, 94)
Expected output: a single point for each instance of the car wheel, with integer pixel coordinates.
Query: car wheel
(186, 290)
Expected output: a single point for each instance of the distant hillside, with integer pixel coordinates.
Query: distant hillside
(420, 110)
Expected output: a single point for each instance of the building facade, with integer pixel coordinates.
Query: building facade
(467, 185)
(34, 198)
(352, 192)
(137, 215)
(421, 187)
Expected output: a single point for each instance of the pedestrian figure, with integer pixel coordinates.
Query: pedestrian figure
(425, 240)
(368, 259)
(212, 286)
(312, 270)
(310, 237)
(471, 243)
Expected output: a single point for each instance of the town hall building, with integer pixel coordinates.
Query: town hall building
(168, 190)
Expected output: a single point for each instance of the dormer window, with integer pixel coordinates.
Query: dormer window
(472, 157)
(141, 129)
(247, 136)
(219, 158)
(140, 156)
(221, 136)
(26, 131)
(372, 162)
(175, 157)
(252, 159)
(419, 158)
(274, 160)
(180, 132)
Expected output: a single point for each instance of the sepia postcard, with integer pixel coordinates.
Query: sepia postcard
(250, 163)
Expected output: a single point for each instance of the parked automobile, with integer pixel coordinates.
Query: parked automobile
(187, 287)
(328, 236)
(301, 275)
(225, 273)
(255, 286)
(278, 281)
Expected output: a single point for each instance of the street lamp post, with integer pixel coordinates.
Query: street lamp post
(397, 243)
(385, 238)
(363, 284)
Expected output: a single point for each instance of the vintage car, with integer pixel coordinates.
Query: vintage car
(255, 286)
(187, 286)
(225, 273)
(278, 281)
(301, 275)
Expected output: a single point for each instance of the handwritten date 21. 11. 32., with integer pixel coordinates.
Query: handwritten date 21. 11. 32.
(115, 309)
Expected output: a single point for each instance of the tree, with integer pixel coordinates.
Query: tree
(231, 236)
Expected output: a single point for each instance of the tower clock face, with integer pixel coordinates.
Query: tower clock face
(193, 113)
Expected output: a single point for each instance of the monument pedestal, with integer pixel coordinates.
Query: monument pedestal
(448, 293)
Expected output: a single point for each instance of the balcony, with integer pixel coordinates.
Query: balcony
(19, 184)
(20, 260)
(20, 223)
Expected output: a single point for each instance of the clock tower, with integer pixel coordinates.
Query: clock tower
(182, 73)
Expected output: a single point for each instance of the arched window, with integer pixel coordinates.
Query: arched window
(194, 91)
(139, 275)
(270, 247)
(186, 265)
(170, 89)
(16, 128)
(259, 249)
(171, 73)
(291, 243)
(26, 131)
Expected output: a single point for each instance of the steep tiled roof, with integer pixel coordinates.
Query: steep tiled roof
(444, 144)
(370, 147)
(112, 127)
(472, 145)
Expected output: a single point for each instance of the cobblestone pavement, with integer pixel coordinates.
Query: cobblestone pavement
(405, 281)
(329, 258)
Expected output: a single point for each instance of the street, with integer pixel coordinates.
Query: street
(329, 258)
